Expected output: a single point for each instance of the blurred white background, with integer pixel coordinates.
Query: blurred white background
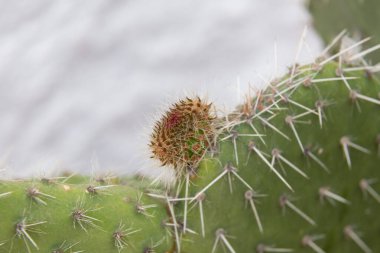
(82, 81)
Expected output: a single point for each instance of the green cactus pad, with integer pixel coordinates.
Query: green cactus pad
(307, 184)
(50, 216)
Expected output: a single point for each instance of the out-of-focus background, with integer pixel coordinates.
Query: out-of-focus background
(82, 81)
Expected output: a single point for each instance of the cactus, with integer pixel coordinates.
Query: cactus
(360, 18)
(56, 216)
(293, 169)
(294, 173)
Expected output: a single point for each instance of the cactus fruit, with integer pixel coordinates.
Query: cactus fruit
(294, 169)
(181, 138)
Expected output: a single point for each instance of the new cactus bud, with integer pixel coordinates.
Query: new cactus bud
(182, 136)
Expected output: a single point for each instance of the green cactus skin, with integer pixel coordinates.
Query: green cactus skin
(228, 206)
(64, 217)
(360, 17)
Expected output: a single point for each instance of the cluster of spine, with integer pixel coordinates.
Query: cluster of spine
(181, 138)
(58, 215)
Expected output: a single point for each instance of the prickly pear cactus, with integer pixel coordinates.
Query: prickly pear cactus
(295, 169)
(55, 216)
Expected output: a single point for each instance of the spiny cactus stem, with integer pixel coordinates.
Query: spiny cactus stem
(351, 234)
(316, 114)
(76, 221)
